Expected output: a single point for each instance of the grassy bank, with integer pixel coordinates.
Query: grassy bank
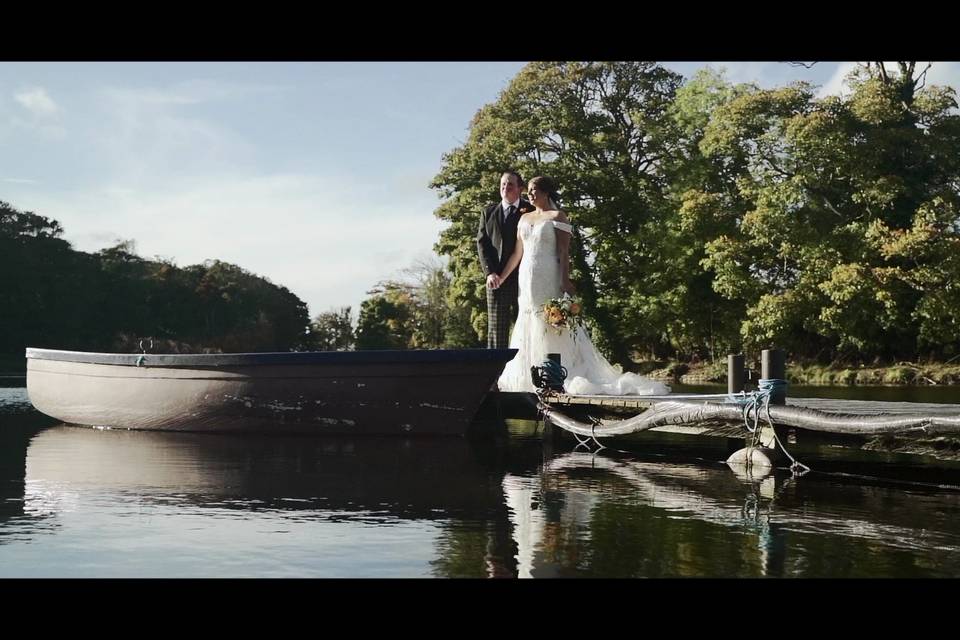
(900, 373)
(686, 373)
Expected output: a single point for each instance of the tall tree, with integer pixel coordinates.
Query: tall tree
(333, 330)
(602, 131)
(415, 311)
(384, 321)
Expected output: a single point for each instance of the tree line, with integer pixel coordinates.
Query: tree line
(54, 296)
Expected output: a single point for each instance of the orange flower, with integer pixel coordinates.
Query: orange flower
(562, 313)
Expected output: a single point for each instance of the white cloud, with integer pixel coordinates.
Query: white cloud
(19, 181)
(38, 114)
(765, 74)
(836, 86)
(190, 92)
(149, 134)
(37, 101)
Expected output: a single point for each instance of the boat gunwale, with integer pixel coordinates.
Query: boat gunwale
(335, 358)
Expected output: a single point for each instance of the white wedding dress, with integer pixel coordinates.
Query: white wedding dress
(588, 372)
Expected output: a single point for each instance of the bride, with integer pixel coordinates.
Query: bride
(543, 255)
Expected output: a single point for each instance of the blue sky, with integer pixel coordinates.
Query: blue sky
(311, 174)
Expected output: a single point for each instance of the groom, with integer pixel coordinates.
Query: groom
(496, 239)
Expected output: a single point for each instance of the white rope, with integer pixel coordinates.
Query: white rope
(756, 402)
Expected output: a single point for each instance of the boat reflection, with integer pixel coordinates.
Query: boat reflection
(18, 425)
(452, 482)
(416, 478)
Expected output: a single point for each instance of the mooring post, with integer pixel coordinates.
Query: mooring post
(555, 431)
(736, 382)
(773, 367)
(735, 373)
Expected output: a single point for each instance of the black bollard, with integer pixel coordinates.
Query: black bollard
(773, 367)
(554, 437)
(735, 373)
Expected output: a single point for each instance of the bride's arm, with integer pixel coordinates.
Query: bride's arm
(514, 258)
(563, 254)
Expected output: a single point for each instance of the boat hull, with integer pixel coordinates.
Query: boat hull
(383, 393)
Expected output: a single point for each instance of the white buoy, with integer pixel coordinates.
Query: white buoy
(753, 457)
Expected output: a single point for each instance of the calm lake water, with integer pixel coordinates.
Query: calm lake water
(82, 502)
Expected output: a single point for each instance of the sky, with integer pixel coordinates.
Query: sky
(312, 174)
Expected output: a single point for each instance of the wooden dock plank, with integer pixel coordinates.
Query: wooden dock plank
(863, 407)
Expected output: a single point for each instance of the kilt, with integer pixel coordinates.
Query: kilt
(502, 309)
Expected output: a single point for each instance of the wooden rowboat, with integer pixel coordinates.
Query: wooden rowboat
(368, 392)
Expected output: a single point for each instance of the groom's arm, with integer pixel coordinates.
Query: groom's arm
(489, 260)
(514, 259)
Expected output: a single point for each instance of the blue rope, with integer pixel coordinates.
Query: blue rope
(767, 388)
(759, 400)
(772, 386)
(549, 375)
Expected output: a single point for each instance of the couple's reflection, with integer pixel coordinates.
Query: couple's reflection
(561, 516)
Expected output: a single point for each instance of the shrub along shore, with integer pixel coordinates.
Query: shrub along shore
(896, 374)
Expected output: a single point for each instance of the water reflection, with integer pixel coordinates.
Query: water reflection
(428, 493)
(597, 515)
(515, 503)
(18, 424)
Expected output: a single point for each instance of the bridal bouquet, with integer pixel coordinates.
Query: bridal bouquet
(562, 312)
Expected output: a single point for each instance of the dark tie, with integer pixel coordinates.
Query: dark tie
(508, 213)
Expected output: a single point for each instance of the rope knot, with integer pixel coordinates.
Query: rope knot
(548, 375)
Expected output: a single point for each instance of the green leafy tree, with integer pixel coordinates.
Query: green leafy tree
(439, 320)
(49, 293)
(847, 242)
(696, 317)
(53, 296)
(415, 311)
(333, 330)
(602, 131)
(385, 320)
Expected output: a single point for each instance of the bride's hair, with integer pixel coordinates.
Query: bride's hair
(545, 184)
